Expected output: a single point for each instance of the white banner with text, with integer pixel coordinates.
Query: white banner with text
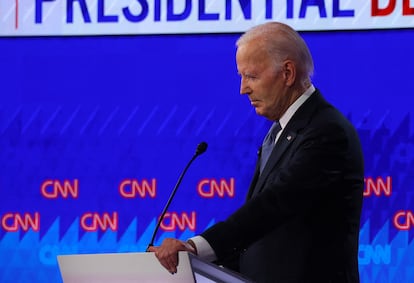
(109, 17)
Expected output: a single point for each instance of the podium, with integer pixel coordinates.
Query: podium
(140, 267)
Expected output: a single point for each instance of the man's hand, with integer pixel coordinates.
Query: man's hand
(167, 253)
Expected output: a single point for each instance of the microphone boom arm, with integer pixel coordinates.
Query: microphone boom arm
(201, 148)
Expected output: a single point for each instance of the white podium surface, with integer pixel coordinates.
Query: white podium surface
(121, 268)
(141, 267)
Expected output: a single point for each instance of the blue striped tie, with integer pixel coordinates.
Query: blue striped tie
(268, 144)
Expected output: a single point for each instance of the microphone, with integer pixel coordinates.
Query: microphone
(201, 148)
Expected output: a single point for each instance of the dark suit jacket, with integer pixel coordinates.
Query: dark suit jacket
(301, 224)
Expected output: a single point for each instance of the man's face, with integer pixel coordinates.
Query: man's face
(262, 81)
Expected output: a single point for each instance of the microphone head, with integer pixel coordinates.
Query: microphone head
(201, 148)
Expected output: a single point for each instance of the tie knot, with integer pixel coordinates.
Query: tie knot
(268, 144)
(275, 129)
(271, 135)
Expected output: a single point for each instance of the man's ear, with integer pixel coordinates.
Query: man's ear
(289, 72)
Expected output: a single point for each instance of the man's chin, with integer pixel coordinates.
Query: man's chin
(263, 114)
(259, 111)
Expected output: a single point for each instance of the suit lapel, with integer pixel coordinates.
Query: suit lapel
(256, 175)
(283, 143)
(298, 121)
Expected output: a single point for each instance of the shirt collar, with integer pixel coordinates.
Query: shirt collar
(295, 106)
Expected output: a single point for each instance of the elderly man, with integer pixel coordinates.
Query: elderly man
(300, 222)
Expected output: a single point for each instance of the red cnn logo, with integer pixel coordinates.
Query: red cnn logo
(131, 188)
(404, 220)
(209, 188)
(52, 189)
(12, 222)
(378, 186)
(172, 220)
(92, 221)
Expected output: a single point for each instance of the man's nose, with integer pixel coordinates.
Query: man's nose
(244, 88)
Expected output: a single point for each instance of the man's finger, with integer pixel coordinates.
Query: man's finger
(169, 265)
(152, 249)
(173, 266)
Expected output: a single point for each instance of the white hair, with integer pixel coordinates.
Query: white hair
(281, 42)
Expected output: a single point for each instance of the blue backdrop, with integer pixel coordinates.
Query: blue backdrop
(97, 111)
